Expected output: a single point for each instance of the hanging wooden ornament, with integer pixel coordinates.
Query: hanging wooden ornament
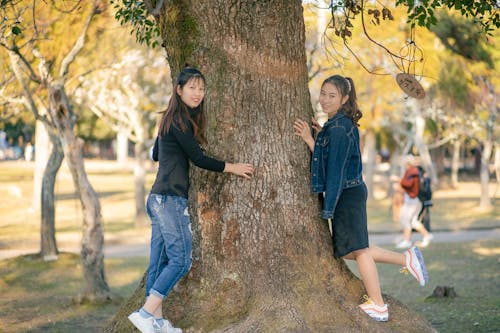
(409, 84)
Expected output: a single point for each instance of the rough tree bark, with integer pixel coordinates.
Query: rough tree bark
(262, 256)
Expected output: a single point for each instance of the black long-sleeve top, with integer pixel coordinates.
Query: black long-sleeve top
(174, 150)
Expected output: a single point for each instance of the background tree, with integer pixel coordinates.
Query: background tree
(23, 74)
(464, 39)
(128, 96)
(50, 80)
(451, 109)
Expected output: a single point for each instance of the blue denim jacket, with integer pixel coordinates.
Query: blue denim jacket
(336, 161)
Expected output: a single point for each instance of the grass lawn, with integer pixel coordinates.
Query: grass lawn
(37, 296)
(472, 269)
(20, 225)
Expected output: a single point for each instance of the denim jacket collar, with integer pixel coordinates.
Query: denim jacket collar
(335, 117)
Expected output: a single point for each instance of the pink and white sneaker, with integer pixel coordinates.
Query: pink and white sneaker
(379, 313)
(416, 266)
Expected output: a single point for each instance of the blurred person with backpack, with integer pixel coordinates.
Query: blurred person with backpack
(412, 207)
(425, 197)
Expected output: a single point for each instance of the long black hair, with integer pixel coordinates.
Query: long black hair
(345, 86)
(177, 110)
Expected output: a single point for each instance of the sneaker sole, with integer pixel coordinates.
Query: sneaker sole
(421, 262)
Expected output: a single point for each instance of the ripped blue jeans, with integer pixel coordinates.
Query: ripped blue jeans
(171, 243)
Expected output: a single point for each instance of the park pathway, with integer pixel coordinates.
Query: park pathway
(141, 248)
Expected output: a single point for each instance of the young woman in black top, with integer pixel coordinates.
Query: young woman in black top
(181, 131)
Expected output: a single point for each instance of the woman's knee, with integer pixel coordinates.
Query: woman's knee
(355, 254)
(181, 265)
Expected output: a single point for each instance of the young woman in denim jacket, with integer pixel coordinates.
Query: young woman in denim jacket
(180, 134)
(336, 171)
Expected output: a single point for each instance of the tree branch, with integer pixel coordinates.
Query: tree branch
(104, 116)
(441, 142)
(81, 76)
(14, 61)
(154, 11)
(70, 57)
(15, 49)
(392, 55)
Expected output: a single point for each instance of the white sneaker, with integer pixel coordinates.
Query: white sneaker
(145, 325)
(379, 313)
(426, 240)
(416, 266)
(166, 328)
(404, 244)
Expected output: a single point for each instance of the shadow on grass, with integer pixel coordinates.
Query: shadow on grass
(470, 268)
(37, 295)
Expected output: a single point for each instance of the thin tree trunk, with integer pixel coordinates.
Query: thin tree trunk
(455, 162)
(141, 155)
(423, 149)
(43, 185)
(437, 156)
(370, 163)
(48, 245)
(122, 148)
(262, 256)
(497, 167)
(96, 287)
(42, 148)
(485, 201)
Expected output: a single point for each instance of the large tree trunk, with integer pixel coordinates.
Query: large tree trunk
(48, 245)
(96, 287)
(262, 256)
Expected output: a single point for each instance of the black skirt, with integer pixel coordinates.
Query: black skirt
(350, 231)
